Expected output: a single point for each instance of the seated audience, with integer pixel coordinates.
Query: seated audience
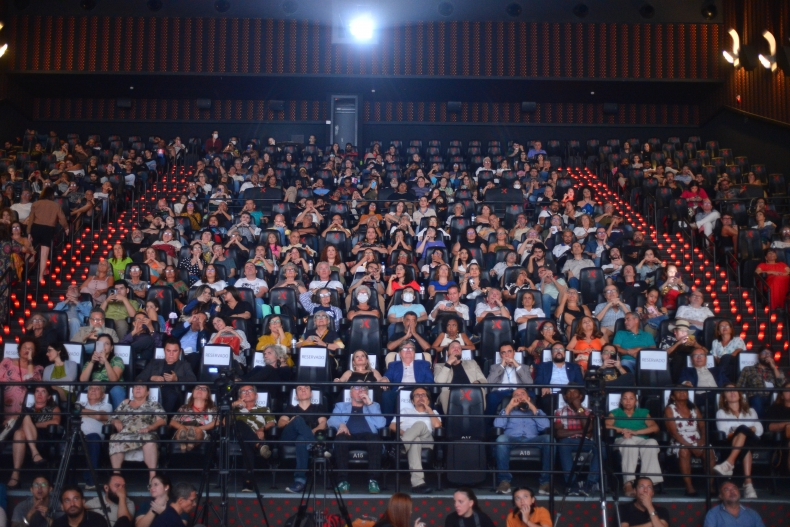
(105, 366)
(687, 435)
(525, 512)
(251, 423)
(300, 422)
(611, 310)
(695, 312)
(586, 340)
(119, 505)
(33, 427)
(33, 510)
(730, 511)
(455, 370)
(169, 371)
(136, 421)
(680, 345)
(641, 511)
(467, 511)
(633, 426)
(415, 428)
(522, 422)
(94, 328)
(754, 380)
(357, 424)
(631, 340)
(778, 417)
(743, 429)
(555, 373)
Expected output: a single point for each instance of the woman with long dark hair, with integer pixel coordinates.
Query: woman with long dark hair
(44, 216)
(467, 512)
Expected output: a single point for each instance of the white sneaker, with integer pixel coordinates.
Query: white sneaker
(8, 427)
(749, 492)
(725, 469)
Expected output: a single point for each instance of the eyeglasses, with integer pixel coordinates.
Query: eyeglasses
(245, 392)
(324, 295)
(201, 389)
(420, 395)
(134, 269)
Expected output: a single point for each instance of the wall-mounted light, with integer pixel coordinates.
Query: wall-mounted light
(778, 56)
(740, 56)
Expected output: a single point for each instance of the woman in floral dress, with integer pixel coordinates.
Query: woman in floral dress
(136, 421)
(686, 434)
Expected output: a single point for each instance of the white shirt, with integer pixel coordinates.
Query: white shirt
(255, 284)
(461, 309)
(693, 313)
(91, 425)
(483, 307)
(560, 249)
(558, 376)
(408, 374)
(325, 284)
(521, 312)
(22, 210)
(727, 423)
(410, 416)
(219, 285)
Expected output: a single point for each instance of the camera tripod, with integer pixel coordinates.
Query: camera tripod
(218, 448)
(319, 458)
(75, 433)
(594, 420)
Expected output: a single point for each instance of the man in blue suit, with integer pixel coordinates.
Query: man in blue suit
(357, 423)
(557, 372)
(406, 370)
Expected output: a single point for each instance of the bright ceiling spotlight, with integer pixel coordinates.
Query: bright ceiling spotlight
(769, 61)
(732, 56)
(3, 49)
(362, 28)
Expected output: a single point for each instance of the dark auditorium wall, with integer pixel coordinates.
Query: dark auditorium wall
(452, 49)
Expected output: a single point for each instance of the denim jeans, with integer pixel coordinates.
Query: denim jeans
(297, 430)
(549, 304)
(494, 398)
(573, 283)
(117, 396)
(504, 444)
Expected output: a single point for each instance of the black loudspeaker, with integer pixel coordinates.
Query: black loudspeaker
(529, 106)
(454, 106)
(204, 104)
(611, 108)
(277, 106)
(123, 103)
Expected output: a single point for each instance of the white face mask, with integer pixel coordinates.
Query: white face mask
(233, 143)
(362, 297)
(215, 136)
(516, 186)
(408, 297)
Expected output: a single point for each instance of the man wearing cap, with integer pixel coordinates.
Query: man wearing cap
(679, 346)
(570, 425)
(632, 339)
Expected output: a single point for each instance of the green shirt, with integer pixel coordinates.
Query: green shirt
(117, 310)
(635, 422)
(119, 267)
(627, 339)
(101, 375)
(256, 418)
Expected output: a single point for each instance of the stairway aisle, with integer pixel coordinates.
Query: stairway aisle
(70, 264)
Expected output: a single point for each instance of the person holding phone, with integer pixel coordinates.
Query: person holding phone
(169, 371)
(104, 366)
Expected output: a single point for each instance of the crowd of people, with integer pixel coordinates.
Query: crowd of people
(272, 249)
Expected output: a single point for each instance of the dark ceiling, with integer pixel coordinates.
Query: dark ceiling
(388, 12)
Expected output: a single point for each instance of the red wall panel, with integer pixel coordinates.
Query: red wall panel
(500, 49)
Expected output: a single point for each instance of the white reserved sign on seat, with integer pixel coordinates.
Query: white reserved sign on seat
(124, 352)
(74, 351)
(312, 357)
(11, 350)
(746, 359)
(547, 355)
(654, 360)
(216, 355)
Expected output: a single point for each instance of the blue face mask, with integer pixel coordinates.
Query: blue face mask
(433, 180)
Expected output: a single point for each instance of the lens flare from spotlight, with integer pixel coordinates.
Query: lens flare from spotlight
(361, 28)
(3, 49)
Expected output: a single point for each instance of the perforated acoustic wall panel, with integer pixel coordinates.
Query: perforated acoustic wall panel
(545, 113)
(372, 112)
(176, 110)
(254, 46)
